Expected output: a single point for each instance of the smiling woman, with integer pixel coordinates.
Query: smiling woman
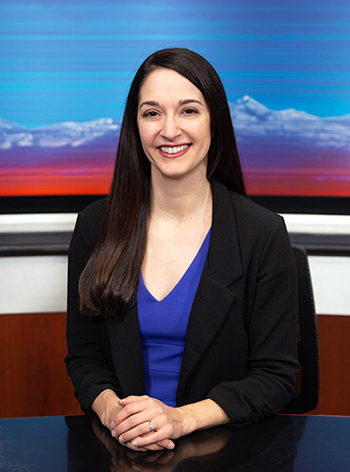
(182, 300)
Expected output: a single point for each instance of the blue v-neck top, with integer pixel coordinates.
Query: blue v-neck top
(163, 326)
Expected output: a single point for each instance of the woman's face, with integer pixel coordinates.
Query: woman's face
(174, 125)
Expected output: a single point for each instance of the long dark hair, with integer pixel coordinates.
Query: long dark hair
(108, 284)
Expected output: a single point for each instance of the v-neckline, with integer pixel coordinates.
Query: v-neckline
(181, 278)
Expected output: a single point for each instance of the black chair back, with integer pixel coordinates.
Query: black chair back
(307, 386)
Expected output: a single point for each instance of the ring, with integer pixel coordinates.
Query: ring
(152, 425)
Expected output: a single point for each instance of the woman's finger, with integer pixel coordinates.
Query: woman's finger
(151, 447)
(125, 432)
(133, 406)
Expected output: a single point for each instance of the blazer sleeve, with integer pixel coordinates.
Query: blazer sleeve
(89, 362)
(270, 317)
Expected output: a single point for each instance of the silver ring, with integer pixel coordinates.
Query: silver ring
(152, 425)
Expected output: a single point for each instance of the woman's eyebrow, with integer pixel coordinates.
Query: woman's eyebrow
(151, 103)
(186, 101)
(191, 100)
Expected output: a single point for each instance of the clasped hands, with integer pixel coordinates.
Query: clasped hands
(146, 424)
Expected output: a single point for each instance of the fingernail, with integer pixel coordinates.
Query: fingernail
(134, 443)
(113, 425)
(171, 445)
(113, 433)
(120, 439)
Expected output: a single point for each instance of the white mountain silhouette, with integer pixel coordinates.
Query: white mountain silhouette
(70, 133)
(252, 121)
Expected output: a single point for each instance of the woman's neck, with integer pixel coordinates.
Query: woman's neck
(181, 199)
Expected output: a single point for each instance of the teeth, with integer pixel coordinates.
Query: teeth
(174, 150)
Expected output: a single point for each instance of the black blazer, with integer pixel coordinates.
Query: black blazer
(240, 347)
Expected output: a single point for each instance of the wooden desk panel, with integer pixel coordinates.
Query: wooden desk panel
(34, 381)
(334, 349)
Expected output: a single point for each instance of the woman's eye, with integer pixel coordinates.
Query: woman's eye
(189, 111)
(150, 114)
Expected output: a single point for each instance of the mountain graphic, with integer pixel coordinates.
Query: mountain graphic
(70, 133)
(251, 120)
(282, 151)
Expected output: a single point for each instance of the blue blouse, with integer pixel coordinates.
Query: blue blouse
(163, 326)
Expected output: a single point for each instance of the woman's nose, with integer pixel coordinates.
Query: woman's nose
(170, 129)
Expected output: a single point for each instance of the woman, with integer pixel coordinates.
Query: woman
(182, 306)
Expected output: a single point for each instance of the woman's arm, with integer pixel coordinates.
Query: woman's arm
(88, 363)
(270, 310)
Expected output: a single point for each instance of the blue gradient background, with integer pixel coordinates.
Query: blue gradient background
(74, 60)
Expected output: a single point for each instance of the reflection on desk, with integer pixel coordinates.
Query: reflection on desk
(82, 444)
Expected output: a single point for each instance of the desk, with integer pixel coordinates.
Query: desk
(82, 444)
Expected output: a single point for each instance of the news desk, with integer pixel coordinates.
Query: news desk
(81, 443)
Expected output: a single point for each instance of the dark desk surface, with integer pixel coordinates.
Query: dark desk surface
(79, 443)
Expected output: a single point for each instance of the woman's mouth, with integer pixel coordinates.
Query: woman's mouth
(173, 151)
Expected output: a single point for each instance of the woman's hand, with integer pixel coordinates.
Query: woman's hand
(108, 406)
(145, 423)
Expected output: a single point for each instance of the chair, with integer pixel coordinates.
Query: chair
(307, 386)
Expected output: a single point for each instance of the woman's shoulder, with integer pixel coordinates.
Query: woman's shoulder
(95, 210)
(255, 220)
(258, 226)
(245, 206)
(89, 220)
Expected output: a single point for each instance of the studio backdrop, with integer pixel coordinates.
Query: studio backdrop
(66, 66)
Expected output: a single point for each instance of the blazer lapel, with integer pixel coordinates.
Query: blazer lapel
(213, 298)
(125, 340)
